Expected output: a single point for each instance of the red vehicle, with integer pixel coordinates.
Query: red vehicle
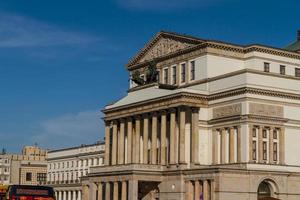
(29, 192)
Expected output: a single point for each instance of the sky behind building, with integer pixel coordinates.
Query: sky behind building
(63, 61)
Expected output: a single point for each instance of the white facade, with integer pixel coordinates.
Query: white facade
(66, 167)
(5, 169)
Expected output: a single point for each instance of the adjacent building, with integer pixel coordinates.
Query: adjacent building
(67, 166)
(28, 168)
(203, 119)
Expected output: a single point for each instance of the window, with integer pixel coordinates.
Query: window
(166, 75)
(28, 176)
(282, 69)
(41, 177)
(254, 132)
(265, 150)
(254, 150)
(297, 72)
(267, 67)
(264, 133)
(192, 70)
(275, 151)
(174, 76)
(275, 134)
(182, 71)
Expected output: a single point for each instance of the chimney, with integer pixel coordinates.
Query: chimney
(298, 36)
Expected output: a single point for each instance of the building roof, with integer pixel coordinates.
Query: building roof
(77, 147)
(293, 47)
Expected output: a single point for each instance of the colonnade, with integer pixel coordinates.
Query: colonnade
(154, 138)
(117, 190)
(227, 145)
(199, 189)
(68, 195)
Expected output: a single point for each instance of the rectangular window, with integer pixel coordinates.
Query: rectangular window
(254, 150)
(264, 133)
(266, 67)
(28, 176)
(254, 132)
(264, 150)
(192, 70)
(297, 72)
(174, 75)
(166, 75)
(275, 134)
(282, 69)
(182, 71)
(275, 151)
(41, 177)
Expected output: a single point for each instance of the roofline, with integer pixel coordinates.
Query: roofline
(132, 63)
(77, 147)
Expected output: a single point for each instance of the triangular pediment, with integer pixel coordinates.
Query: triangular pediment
(163, 44)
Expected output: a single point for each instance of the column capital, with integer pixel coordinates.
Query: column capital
(195, 109)
(129, 119)
(137, 117)
(183, 108)
(154, 114)
(122, 120)
(172, 110)
(145, 115)
(163, 112)
(107, 122)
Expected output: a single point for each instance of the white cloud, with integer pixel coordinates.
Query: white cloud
(166, 4)
(21, 31)
(70, 129)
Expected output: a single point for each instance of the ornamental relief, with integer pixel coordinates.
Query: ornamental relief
(227, 111)
(162, 47)
(265, 110)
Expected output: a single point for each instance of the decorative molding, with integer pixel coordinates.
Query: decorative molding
(266, 110)
(226, 111)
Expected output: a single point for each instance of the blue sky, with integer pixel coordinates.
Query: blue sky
(62, 61)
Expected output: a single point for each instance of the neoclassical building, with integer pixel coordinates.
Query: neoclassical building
(213, 121)
(66, 167)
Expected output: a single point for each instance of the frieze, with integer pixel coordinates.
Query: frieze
(266, 110)
(227, 111)
(163, 47)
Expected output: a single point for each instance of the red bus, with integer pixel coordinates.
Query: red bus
(29, 192)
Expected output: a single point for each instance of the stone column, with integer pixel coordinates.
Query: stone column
(260, 144)
(124, 190)
(231, 146)
(205, 190)
(107, 143)
(250, 142)
(107, 191)
(215, 153)
(116, 191)
(163, 138)
(197, 190)
(172, 136)
(182, 114)
(100, 191)
(239, 144)
(271, 148)
(74, 195)
(282, 146)
(69, 195)
(133, 190)
(223, 146)
(65, 196)
(212, 189)
(195, 135)
(188, 190)
(122, 142)
(154, 139)
(85, 193)
(114, 143)
(79, 195)
(145, 139)
(137, 139)
(129, 140)
(92, 190)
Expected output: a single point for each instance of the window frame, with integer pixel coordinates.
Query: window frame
(266, 67)
(182, 73)
(174, 74)
(297, 72)
(282, 69)
(166, 75)
(192, 70)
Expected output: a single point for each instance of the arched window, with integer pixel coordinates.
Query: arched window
(263, 191)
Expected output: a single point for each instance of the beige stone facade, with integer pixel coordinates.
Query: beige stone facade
(218, 125)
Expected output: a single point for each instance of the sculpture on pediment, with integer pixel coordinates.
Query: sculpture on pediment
(151, 75)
